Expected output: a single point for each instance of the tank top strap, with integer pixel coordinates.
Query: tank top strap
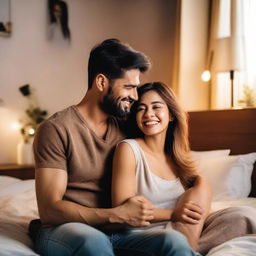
(135, 148)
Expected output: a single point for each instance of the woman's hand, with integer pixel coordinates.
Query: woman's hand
(188, 212)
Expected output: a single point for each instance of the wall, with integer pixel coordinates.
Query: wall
(193, 93)
(57, 70)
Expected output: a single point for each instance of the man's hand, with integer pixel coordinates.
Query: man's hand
(189, 212)
(136, 211)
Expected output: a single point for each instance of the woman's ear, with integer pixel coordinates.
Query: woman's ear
(171, 118)
(102, 82)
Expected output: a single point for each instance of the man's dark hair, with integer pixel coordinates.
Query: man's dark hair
(112, 58)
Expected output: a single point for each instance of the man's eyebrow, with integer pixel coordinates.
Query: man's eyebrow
(131, 85)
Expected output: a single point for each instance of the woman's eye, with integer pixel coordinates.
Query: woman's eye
(140, 109)
(155, 107)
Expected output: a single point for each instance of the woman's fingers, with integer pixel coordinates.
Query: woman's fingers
(192, 214)
(189, 220)
(194, 207)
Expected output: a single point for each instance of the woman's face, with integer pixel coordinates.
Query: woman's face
(152, 115)
(57, 11)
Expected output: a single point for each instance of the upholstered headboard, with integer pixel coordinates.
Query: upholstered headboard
(222, 129)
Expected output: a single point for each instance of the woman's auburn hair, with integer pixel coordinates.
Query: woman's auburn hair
(176, 141)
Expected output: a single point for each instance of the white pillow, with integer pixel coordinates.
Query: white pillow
(209, 153)
(230, 176)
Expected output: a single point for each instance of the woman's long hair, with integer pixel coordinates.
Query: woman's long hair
(176, 141)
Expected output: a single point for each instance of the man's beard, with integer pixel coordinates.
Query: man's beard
(110, 106)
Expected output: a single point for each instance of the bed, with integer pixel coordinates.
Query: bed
(214, 135)
(224, 141)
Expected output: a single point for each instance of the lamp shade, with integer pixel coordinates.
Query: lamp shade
(228, 54)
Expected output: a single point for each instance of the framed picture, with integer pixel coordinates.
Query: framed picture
(5, 18)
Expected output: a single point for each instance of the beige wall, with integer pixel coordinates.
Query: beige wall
(193, 93)
(57, 71)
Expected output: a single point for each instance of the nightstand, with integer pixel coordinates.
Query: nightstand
(23, 171)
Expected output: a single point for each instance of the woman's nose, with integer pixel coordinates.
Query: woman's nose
(149, 112)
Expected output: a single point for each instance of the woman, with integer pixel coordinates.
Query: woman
(157, 165)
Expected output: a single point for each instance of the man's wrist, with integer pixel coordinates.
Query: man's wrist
(115, 216)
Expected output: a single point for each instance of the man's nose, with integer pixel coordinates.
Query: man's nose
(134, 94)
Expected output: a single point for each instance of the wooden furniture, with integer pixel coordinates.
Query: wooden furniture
(225, 129)
(23, 172)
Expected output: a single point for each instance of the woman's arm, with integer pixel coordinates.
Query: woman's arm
(51, 185)
(124, 181)
(201, 195)
(123, 174)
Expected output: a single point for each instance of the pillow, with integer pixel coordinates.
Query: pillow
(210, 153)
(230, 176)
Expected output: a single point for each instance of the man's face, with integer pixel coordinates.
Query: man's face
(121, 94)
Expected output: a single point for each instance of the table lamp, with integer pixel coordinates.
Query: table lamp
(228, 57)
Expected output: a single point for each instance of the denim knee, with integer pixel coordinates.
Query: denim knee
(96, 243)
(73, 239)
(175, 243)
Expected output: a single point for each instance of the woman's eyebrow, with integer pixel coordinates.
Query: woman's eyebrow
(153, 102)
(157, 102)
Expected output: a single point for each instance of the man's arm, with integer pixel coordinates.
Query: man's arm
(51, 185)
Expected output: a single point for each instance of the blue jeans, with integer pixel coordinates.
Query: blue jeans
(82, 240)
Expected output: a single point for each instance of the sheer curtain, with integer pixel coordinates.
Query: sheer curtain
(249, 25)
(242, 23)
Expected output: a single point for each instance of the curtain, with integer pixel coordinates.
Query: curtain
(231, 18)
(174, 71)
(247, 91)
(213, 34)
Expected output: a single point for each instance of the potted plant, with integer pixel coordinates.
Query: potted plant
(34, 115)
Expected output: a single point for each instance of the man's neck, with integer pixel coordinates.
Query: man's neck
(92, 113)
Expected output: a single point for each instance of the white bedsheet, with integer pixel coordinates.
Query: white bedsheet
(18, 206)
(240, 246)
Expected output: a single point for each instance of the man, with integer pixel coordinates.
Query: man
(73, 154)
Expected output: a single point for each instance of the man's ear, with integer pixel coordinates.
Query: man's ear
(102, 82)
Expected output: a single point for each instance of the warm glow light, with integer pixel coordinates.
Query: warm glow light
(15, 126)
(31, 131)
(206, 76)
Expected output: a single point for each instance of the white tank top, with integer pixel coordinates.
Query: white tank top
(162, 193)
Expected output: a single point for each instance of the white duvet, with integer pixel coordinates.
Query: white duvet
(18, 206)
